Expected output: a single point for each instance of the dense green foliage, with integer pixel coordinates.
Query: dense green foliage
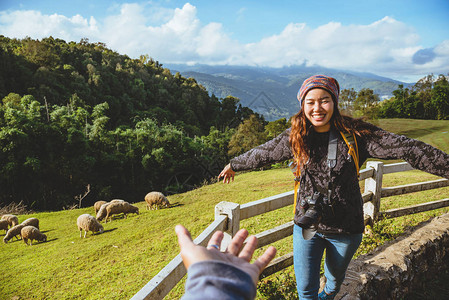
(78, 114)
(427, 99)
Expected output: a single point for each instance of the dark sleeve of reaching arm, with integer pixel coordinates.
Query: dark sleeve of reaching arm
(218, 280)
(386, 145)
(275, 150)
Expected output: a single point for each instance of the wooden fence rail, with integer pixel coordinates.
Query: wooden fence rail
(228, 216)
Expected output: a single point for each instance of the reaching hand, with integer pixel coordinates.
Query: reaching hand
(234, 254)
(227, 173)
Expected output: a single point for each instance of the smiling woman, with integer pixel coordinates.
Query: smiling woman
(329, 207)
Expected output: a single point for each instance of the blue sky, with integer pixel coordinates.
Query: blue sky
(403, 40)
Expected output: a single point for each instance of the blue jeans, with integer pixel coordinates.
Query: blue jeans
(307, 255)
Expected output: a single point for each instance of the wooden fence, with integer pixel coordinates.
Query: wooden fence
(228, 216)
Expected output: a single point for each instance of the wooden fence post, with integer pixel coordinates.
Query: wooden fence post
(374, 185)
(232, 211)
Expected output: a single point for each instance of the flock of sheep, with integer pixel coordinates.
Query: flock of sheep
(29, 229)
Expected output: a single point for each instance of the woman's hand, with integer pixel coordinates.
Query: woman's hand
(227, 174)
(234, 254)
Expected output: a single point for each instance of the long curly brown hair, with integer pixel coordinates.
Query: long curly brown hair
(301, 128)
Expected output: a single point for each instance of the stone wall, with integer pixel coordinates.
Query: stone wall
(400, 266)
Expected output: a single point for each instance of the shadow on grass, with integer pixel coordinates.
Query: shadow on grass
(50, 240)
(13, 240)
(92, 234)
(105, 231)
(176, 204)
(416, 133)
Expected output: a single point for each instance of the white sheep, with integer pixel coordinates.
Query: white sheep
(120, 207)
(101, 214)
(4, 225)
(155, 200)
(87, 223)
(31, 222)
(32, 233)
(13, 232)
(12, 220)
(97, 205)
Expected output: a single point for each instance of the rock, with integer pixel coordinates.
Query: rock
(400, 266)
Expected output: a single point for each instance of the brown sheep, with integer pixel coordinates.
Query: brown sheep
(13, 232)
(156, 200)
(97, 205)
(120, 207)
(4, 225)
(32, 233)
(31, 222)
(12, 220)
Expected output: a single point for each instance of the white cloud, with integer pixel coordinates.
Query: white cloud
(20, 24)
(386, 47)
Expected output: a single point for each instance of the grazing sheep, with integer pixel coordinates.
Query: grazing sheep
(31, 222)
(156, 199)
(101, 214)
(120, 207)
(12, 220)
(4, 225)
(32, 233)
(87, 223)
(13, 232)
(97, 205)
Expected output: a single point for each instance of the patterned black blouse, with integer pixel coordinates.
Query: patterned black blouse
(347, 215)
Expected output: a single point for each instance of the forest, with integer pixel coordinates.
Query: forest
(426, 99)
(78, 118)
(80, 123)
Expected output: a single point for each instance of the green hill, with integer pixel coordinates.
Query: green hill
(78, 114)
(119, 262)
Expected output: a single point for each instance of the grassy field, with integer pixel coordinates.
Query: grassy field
(119, 262)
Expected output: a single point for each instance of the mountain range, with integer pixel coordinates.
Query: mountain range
(272, 91)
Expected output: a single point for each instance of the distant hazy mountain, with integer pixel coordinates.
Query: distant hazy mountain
(272, 91)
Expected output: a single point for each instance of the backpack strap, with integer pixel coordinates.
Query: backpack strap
(294, 166)
(353, 151)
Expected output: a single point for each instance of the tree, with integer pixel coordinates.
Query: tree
(100, 120)
(274, 128)
(440, 97)
(216, 143)
(249, 134)
(366, 102)
(424, 88)
(346, 101)
(228, 110)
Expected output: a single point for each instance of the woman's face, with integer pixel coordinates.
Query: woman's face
(318, 108)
